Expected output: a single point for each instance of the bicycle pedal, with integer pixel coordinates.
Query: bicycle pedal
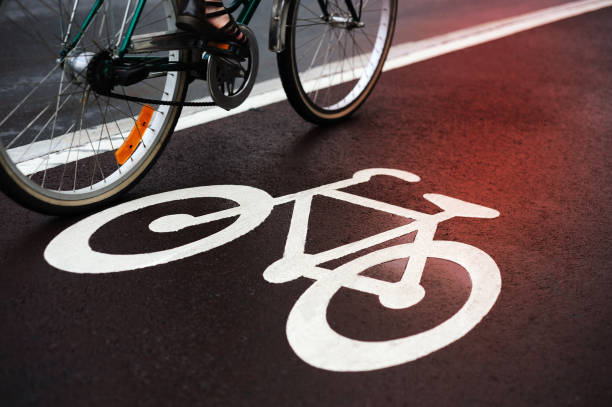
(220, 45)
(226, 49)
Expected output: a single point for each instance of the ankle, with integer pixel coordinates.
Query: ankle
(217, 21)
(212, 9)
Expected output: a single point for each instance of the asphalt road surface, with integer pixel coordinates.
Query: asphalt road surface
(521, 125)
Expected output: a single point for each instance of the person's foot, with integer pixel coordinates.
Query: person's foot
(220, 21)
(210, 20)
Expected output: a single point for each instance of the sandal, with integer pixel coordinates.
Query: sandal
(193, 18)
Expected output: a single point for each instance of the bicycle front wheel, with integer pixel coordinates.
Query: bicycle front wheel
(335, 51)
(64, 147)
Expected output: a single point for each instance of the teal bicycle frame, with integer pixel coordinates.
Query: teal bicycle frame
(154, 64)
(247, 12)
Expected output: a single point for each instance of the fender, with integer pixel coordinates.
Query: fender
(278, 25)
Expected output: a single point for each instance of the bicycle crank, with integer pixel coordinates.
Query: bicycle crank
(230, 78)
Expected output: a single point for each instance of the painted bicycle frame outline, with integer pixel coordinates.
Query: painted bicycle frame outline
(308, 332)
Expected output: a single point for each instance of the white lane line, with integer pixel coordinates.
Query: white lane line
(271, 91)
(263, 94)
(413, 52)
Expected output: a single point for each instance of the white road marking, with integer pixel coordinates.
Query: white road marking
(271, 91)
(307, 329)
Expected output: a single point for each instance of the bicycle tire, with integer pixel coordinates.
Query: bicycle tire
(302, 84)
(55, 197)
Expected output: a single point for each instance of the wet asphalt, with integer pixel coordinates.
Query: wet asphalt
(522, 125)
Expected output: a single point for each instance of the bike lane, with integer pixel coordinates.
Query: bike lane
(521, 125)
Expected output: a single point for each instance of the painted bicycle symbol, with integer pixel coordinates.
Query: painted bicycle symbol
(308, 330)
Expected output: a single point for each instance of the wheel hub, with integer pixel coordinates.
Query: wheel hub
(100, 73)
(75, 66)
(339, 21)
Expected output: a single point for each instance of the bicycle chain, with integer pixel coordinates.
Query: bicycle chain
(158, 102)
(102, 85)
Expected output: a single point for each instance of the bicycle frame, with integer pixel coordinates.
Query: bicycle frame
(249, 8)
(134, 68)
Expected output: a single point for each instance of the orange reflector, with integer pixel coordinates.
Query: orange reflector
(126, 150)
(218, 45)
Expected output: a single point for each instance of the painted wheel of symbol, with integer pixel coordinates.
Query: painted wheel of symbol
(315, 342)
(70, 250)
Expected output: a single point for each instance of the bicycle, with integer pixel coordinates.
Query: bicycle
(109, 80)
(308, 331)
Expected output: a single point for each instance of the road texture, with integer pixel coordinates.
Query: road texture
(522, 125)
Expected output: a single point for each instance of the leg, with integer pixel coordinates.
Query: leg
(221, 20)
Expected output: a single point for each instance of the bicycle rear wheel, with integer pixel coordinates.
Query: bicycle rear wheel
(59, 139)
(332, 61)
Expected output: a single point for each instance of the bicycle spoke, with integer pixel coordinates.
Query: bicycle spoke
(8, 116)
(327, 30)
(302, 26)
(26, 11)
(133, 115)
(145, 82)
(43, 128)
(339, 67)
(108, 104)
(123, 22)
(105, 128)
(32, 143)
(151, 23)
(50, 8)
(76, 163)
(325, 66)
(40, 114)
(59, 92)
(367, 37)
(151, 10)
(27, 127)
(309, 10)
(310, 41)
(65, 166)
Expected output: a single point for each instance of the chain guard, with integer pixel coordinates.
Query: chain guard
(230, 80)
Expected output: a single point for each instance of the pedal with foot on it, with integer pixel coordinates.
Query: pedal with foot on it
(232, 70)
